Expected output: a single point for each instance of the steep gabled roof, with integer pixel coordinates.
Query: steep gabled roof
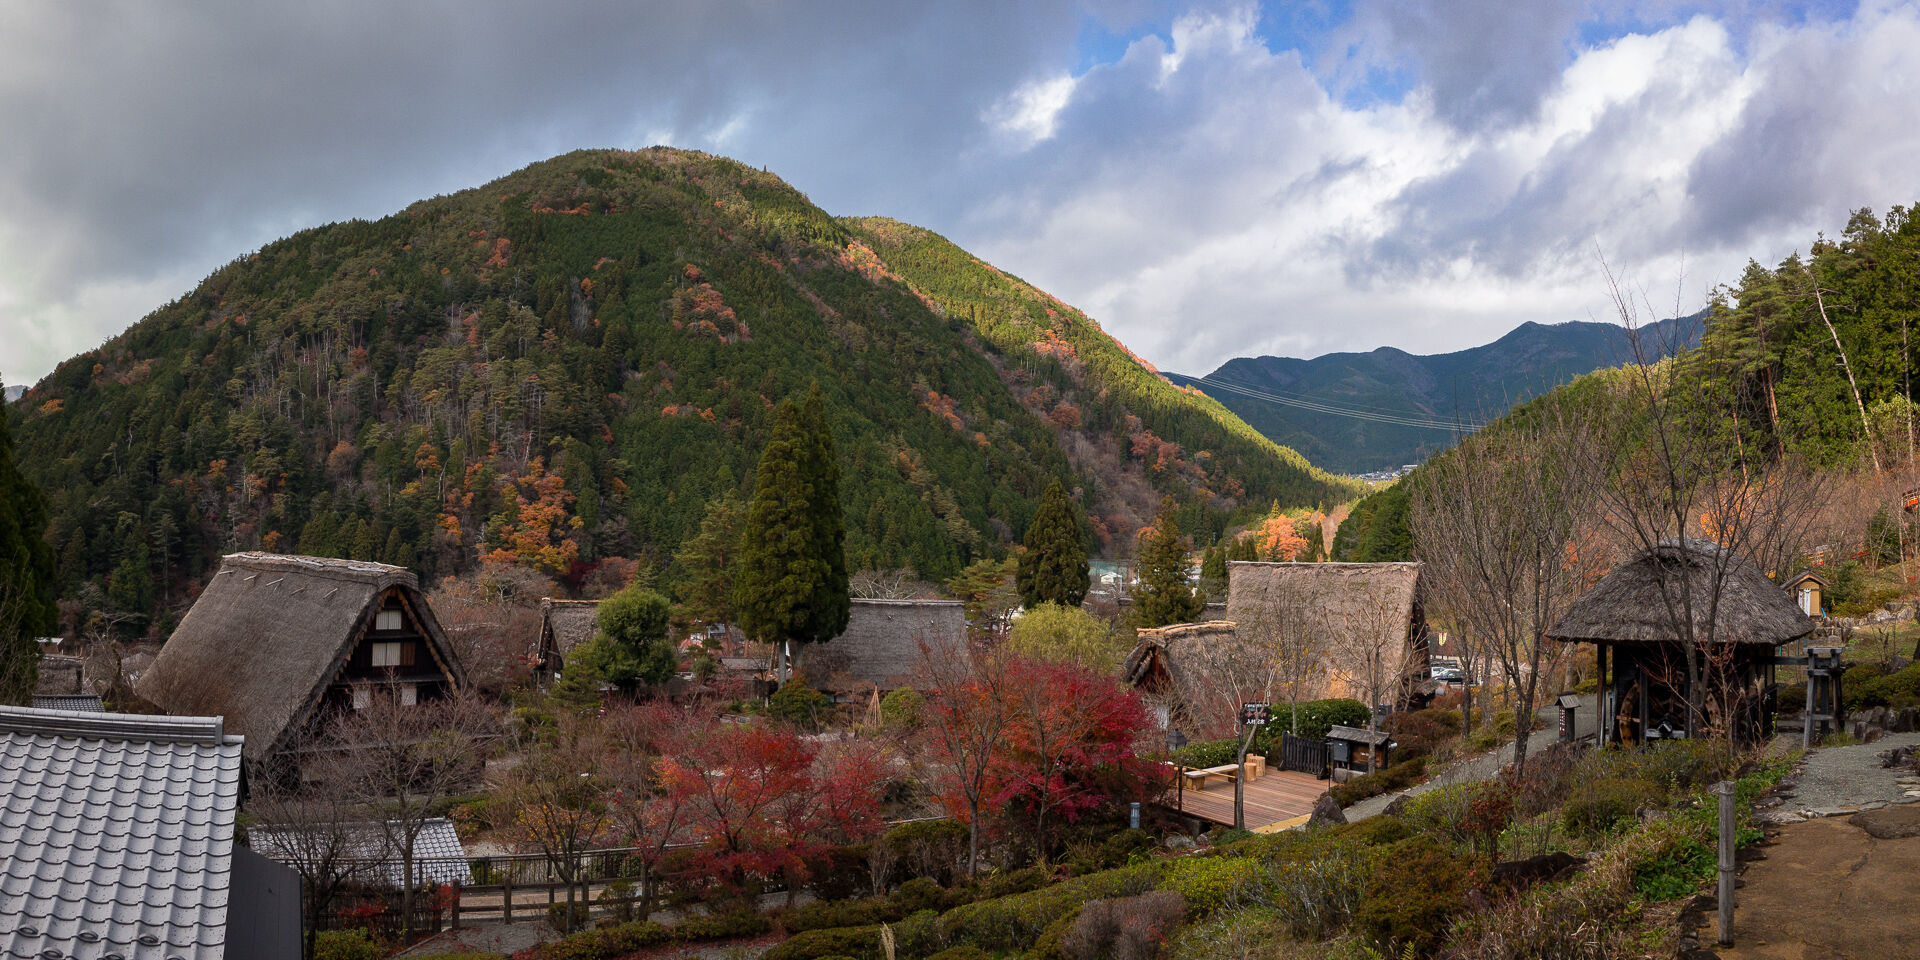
(881, 646)
(1345, 602)
(267, 636)
(567, 625)
(1628, 604)
(438, 855)
(116, 834)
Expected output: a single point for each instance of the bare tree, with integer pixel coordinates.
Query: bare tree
(1220, 675)
(310, 827)
(896, 584)
(556, 801)
(1685, 473)
(403, 761)
(1504, 525)
(643, 815)
(1373, 661)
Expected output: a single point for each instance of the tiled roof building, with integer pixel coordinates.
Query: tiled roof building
(116, 843)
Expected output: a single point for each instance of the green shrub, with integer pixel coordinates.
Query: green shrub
(557, 915)
(928, 848)
(1598, 807)
(962, 952)
(1210, 883)
(1047, 946)
(840, 872)
(601, 944)
(1678, 859)
(1793, 698)
(821, 914)
(919, 935)
(720, 926)
(1898, 689)
(1397, 777)
(346, 945)
(858, 943)
(1007, 883)
(1316, 891)
(800, 705)
(921, 893)
(1416, 890)
(1015, 922)
(1373, 831)
(902, 709)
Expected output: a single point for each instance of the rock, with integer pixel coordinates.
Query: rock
(1891, 824)
(1178, 841)
(1326, 812)
(1835, 811)
(1872, 805)
(1779, 816)
(1398, 807)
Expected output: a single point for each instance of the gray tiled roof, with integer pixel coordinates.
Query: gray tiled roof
(116, 835)
(438, 856)
(86, 702)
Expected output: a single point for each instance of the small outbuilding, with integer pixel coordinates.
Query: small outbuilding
(565, 626)
(1153, 669)
(880, 649)
(1808, 590)
(277, 643)
(1633, 615)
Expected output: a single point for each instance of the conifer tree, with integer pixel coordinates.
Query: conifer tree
(791, 584)
(1164, 596)
(1054, 567)
(1213, 572)
(27, 573)
(707, 561)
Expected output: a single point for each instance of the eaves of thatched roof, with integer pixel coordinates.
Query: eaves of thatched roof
(1632, 603)
(567, 625)
(269, 634)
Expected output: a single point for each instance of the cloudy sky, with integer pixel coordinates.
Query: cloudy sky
(1208, 179)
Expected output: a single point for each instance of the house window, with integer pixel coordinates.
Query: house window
(409, 694)
(386, 654)
(362, 697)
(387, 620)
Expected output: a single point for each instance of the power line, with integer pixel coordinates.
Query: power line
(1356, 413)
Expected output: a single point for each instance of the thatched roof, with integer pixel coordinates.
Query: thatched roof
(267, 636)
(1628, 606)
(567, 625)
(1156, 650)
(881, 645)
(1351, 613)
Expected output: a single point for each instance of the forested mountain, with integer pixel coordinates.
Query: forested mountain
(1812, 358)
(1388, 384)
(567, 364)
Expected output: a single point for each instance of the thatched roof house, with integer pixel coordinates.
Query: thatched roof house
(1634, 615)
(565, 626)
(1357, 618)
(274, 642)
(1154, 666)
(880, 649)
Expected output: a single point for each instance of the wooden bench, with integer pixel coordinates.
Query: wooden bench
(1200, 778)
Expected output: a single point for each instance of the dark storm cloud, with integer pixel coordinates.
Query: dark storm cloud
(1487, 63)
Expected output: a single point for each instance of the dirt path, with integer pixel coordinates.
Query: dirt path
(1830, 889)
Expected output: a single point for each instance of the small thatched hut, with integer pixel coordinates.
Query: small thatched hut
(880, 649)
(1364, 621)
(565, 626)
(1634, 617)
(276, 642)
(1154, 668)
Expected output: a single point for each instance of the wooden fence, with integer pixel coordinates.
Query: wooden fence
(1305, 754)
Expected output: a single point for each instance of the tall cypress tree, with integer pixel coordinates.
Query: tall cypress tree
(1054, 567)
(27, 571)
(1164, 595)
(791, 583)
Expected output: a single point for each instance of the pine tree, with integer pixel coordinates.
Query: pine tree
(1164, 596)
(1054, 567)
(27, 572)
(791, 581)
(707, 561)
(1213, 572)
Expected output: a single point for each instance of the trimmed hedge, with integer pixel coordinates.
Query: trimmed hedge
(1016, 922)
(1400, 776)
(857, 943)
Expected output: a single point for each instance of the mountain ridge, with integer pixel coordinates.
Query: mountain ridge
(565, 365)
(1361, 411)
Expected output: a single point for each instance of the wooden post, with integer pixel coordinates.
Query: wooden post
(506, 893)
(456, 906)
(1725, 789)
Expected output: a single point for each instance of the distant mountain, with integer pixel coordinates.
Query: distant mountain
(567, 364)
(1361, 412)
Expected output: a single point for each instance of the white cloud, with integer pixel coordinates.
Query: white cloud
(1031, 112)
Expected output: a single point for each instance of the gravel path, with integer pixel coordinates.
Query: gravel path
(1835, 780)
(1487, 765)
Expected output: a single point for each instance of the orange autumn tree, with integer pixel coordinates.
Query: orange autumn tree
(537, 531)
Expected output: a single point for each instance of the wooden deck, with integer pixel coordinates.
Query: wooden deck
(1276, 801)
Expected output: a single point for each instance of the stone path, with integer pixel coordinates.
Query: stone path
(1841, 780)
(1487, 765)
